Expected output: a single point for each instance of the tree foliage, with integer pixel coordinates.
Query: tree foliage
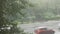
(9, 11)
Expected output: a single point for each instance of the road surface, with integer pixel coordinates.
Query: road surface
(31, 27)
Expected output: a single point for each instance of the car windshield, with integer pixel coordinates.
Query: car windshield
(43, 29)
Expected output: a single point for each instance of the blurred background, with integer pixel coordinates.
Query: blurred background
(23, 16)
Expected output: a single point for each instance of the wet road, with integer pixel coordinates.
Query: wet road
(31, 27)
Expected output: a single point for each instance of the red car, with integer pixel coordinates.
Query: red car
(43, 30)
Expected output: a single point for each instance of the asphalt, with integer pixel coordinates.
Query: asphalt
(32, 26)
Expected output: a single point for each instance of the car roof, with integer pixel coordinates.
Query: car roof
(40, 27)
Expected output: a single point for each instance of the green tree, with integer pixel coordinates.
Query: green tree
(9, 11)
